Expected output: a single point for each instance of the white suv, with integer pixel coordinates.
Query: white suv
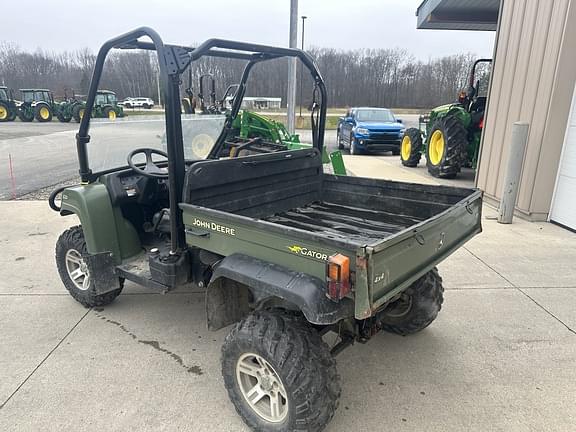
(139, 102)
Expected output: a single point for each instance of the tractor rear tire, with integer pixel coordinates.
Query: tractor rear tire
(70, 252)
(446, 147)
(13, 113)
(109, 113)
(411, 147)
(4, 112)
(78, 113)
(43, 113)
(26, 115)
(416, 308)
(272, 356)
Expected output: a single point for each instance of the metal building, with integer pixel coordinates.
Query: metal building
(533, 80)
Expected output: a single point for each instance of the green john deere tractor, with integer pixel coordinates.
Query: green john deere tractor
(450, 134)
(8, 107)
(105, 106)
(37, 104)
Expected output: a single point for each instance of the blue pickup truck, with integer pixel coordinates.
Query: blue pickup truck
(367, 130)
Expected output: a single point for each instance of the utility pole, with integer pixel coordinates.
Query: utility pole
(303, 18)
(158, 83)
(291, 99)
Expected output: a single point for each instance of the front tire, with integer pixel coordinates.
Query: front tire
(280, 374)
(411, 147)
(26, 114)
(354, 150)
(416, 307)
(70, 260)
(339, 141)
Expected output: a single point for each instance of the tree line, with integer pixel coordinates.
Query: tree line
(361, 77)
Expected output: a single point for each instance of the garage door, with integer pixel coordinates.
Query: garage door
(564, 204)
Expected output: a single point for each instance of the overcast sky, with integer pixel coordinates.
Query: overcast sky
(58, 25)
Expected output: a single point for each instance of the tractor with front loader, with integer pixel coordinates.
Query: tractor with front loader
(8, 107)
(450, 135)
(67, 107)
(249, 132)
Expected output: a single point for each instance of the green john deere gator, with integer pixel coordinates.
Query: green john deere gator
(450, 134)
(284, 252)
(8, 107)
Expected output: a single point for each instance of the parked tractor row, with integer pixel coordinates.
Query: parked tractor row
(40, 105)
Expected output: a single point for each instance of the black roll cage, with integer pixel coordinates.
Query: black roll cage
(173, 61)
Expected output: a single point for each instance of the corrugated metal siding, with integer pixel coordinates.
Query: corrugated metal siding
(531, 45)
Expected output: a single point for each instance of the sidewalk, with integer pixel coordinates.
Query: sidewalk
(500, 357)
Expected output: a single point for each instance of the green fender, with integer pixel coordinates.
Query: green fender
(105, 228)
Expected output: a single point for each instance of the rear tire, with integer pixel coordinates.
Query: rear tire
(417, 307)
(43, 113)
(411, 147)
(273, 356)
(455, 137)
(109, 113)
(78, 113)
(70, 253)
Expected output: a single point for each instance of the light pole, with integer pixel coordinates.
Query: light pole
(292, 71)
(301, 66)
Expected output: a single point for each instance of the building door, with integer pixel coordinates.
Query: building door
(564, 204)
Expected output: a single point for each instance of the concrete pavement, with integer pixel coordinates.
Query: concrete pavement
(500, 357)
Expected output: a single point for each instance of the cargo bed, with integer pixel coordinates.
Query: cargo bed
(282, 209)
(363, 226)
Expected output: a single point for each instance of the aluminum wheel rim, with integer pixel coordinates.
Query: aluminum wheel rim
(77, 270)
(262, 388)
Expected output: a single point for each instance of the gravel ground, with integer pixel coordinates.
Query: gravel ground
(44, 193)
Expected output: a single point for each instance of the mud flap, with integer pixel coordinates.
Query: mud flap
(101, 268)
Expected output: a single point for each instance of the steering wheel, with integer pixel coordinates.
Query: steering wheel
(150, 169)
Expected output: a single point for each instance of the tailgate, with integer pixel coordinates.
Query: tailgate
(396, 262)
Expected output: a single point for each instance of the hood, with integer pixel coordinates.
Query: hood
(380, 126)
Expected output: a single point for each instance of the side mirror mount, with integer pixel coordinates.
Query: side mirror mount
(399, 120)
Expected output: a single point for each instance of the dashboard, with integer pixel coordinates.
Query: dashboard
(127, 187)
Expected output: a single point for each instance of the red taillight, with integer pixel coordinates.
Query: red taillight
(481, 124)
(338, 276)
